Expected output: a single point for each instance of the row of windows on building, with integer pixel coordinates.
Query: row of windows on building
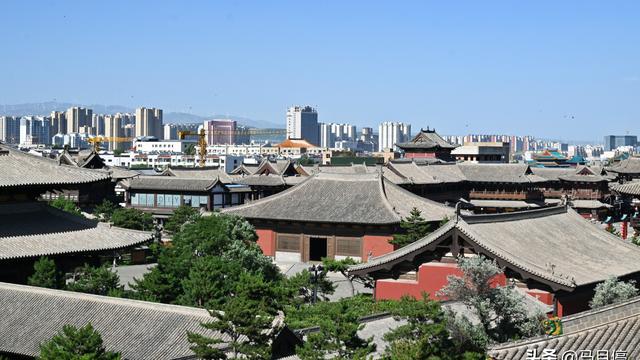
(167, 200)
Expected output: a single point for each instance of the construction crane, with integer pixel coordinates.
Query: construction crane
(202, 143)
(98, 140)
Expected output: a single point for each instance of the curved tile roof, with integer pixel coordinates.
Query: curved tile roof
(342, 198)
(630, 188)
(169, 183)
(22, 169)
(35, 229)
(136, 329)
(555, 244)
(611, 328)
(630, 165)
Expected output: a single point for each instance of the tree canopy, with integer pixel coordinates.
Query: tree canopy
(131, 218)
(501, 310)
(73, 343)
(414, 228)
(181, 215)
(613, 291)
(46, 274)
(66, 205)
(199, 251)
(95, 280)
(105, 209)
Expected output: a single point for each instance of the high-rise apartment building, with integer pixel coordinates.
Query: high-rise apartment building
(113, 129)
(9, 129)
(332, 133)
(58, 122)
(77, 118)
(97, 123)
(149, 122)
(35, 130)
(302, 123)
(390, 133)
(611, 142)
(220, 131)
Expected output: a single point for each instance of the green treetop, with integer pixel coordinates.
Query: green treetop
(415, 228)
(72, 343)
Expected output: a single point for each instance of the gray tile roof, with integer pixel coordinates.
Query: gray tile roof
(342, 198)
(168, 183)
(611, 328)
(137, 329)
(196, 173)
(630, 165)
(553, 245)
(261, 180)
(426, 139)
(36, 229)
(22, 169)
(499, 173)
(629, 188)
(513, 204)
(589, 204)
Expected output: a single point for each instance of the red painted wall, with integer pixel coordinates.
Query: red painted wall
(431, 278)
(267, 241)
(417, 155)
(376, 245)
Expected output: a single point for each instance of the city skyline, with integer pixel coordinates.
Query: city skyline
(467, 70)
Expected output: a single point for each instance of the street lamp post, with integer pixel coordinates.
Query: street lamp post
(314, 269)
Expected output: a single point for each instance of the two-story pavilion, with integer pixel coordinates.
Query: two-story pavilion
(335, 215)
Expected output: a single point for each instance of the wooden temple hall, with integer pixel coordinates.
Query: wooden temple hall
(554, 250)
(30, 228)
(335, 215)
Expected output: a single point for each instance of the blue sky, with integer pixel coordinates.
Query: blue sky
(522, 67)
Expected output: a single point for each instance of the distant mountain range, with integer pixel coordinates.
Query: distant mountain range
(45, 108)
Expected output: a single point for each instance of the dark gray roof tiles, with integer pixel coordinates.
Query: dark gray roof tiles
(629, 188)
(426, 139)
(555, 244)
(137, 329)
(611, 328)
(261, 180)
(22, 169)
(499, 173)
(35, 229)
(204, 174)
(168, 183)
(342, 198)
(630, 165)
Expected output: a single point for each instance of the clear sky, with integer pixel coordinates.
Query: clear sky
(526, 67)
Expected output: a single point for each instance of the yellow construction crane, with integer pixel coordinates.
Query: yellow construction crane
(202, 143)
(98, 140)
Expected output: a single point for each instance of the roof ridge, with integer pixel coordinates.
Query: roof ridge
(180, 309)
(516, 215)
(385, 200)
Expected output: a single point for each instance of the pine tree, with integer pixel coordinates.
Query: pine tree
(105, 209)
(415, 228)
(246, 319)
(72, 343)
(95, 280)
(338, 337)
(181, 215)
(46, 275)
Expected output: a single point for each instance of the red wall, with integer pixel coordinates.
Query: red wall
(267, 241)
(376, 245)
(431, 278)
(417, 155)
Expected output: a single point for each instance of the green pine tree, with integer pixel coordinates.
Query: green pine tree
(338, 336)
(181, 215)
(131, 218)
(105, 209)
(46, 274)
(95, 280)
(415, 228)
(72, 343)
(246, 319)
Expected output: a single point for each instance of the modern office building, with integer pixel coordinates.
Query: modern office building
(77, 118)
(611, 142)
(97, 123)
(149, 122)
(9, 129)
(302, 123)
(391, 133)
